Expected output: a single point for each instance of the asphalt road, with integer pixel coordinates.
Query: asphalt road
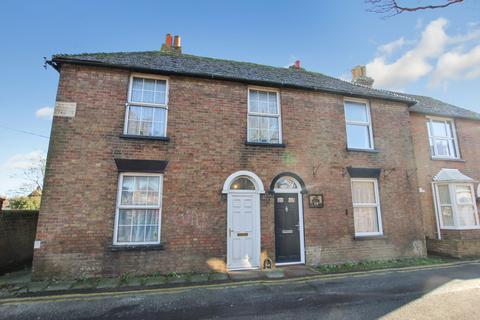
(451, 292)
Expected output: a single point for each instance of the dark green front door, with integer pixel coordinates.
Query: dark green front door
(287, 228)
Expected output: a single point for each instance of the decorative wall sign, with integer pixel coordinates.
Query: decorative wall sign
(315, 200)
(65, 109)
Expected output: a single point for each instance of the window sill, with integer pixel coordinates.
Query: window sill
(371, 237)
(460, 228)
(447, 159)
(141, 247)
(129, 136)
(264, 144)
(363, 150)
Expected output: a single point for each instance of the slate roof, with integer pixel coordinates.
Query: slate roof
(428, 105)
(189, 65)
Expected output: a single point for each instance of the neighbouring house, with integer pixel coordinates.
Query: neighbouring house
(447, 150)
(162, 161)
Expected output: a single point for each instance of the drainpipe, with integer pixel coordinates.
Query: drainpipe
(437, 218)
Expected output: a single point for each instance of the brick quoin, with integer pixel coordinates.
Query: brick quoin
(207, 127)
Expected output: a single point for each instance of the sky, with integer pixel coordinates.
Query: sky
(434, 53)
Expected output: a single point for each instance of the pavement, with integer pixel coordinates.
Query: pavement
(447, 292)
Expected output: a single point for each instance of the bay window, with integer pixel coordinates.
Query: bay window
(456, 207)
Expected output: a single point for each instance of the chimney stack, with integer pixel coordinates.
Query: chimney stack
(171, 46)
(296, 65)
(359, 76)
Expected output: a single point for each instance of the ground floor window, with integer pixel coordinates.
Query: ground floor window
(139, 204)
(366, 207)
(456, 205)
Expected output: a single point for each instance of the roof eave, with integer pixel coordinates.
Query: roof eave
(437, 114)
(59, 60)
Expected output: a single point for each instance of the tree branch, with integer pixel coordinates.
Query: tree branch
(392, 6)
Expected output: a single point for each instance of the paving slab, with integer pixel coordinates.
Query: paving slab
(298, 271)
(155, 281)
(24, 276)
(218, 277)
(199, 278)
(133, 282)
(85, 284)
(59, 285)
(246, 275)
(37, 286)
(275, 274)
(107, 283)
(177, 280)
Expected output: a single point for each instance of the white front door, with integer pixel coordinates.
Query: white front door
(243, 231)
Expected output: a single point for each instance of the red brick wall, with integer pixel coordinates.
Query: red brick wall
(468, 133)
(207, 127)
(17, 233)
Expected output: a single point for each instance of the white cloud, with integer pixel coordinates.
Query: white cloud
(457, 65)
(440, 56)
(414, 63)
(388, 48)
(23, 161)
(44, 113)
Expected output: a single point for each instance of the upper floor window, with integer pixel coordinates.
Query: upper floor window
(359, 125)
(264, 121)
(442, 138)
(147, 107)
(456, 206)
(366, 207)
(139, 203)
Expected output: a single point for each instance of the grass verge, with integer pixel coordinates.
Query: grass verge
(380, 264)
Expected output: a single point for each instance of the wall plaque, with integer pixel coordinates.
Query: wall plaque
(65, 109)
(315, 200)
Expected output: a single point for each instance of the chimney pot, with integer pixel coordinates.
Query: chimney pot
(177, 42)
(168, 40)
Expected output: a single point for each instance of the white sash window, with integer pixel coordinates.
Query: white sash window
(366, 207)
(147, 107)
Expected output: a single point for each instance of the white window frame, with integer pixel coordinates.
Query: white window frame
(368, 205)
(431, 138)
(144, 104)
(120, 206)
(453, 204)
(359, 123)
(278, 116)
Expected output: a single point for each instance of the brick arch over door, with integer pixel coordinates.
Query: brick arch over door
(287, 174)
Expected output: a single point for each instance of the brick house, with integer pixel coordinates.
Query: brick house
(447, 151)
(161, 161)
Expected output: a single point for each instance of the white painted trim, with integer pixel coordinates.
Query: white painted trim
(363, 123)
(256, 198)
(431, 137)
(268, 115)
(437, 217)
(298, 191)
(119, 206)
(377, 206)
(253, 177)
(453, 203)
(144, 104)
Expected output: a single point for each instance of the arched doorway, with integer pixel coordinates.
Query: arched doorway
(243, 189)
(289, 231)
